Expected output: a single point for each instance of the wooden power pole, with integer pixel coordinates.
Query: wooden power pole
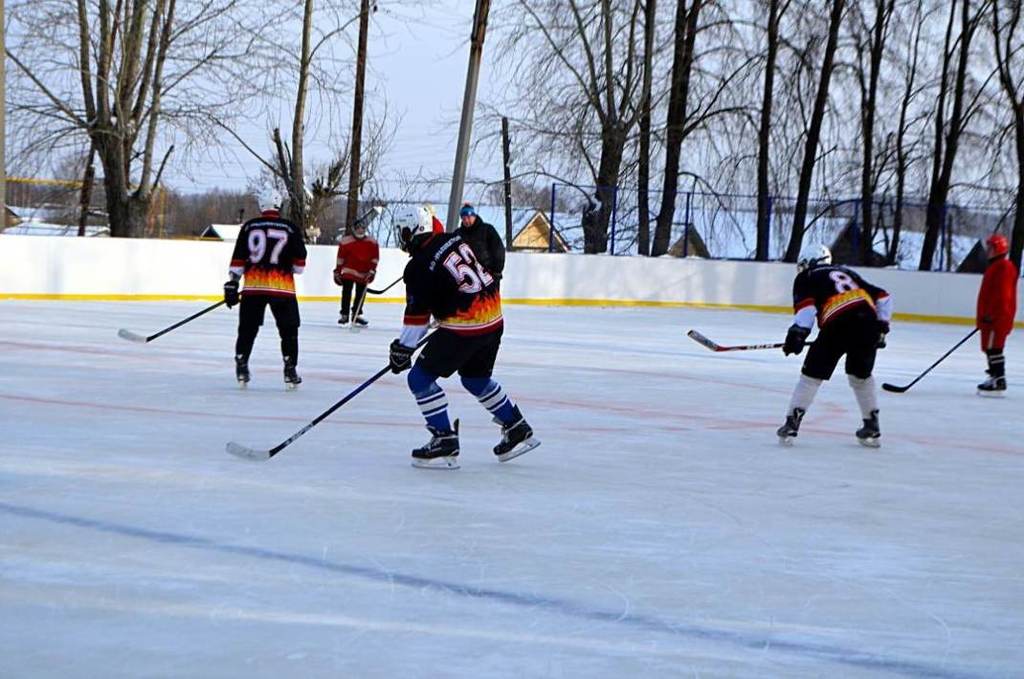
(507, 161)
(355, 145)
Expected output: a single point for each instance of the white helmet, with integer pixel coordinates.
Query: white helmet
(812, 256)
(270, 199)
(413, 222)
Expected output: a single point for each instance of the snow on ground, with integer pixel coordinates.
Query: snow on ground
(659, 530)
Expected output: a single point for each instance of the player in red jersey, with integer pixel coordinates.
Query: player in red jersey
(444, 279)
(997, 306)
(269, 251)
(358, 255)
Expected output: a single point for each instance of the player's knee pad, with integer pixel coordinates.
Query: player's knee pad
(420, 381)
(476, 385)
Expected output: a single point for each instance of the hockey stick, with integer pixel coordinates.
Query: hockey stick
(258, 455)
(899, 390)
(356, 310)
(134, 337)
(714, 346)
(381, 292)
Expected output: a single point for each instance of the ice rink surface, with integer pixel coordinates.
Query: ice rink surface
(659, 531)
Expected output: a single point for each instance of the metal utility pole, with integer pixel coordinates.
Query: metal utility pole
(476, 50)
(507, 161)
(352, 204)
(3, 123)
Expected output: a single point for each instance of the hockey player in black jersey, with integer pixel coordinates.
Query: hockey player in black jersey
(269, 251)
(853, 319)
(444, 279)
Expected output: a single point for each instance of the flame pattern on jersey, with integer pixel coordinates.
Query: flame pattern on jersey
(844, 300)
(266, 281)
(483, 315)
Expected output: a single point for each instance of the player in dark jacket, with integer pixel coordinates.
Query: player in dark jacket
(997, 305)
(269, 251)
(484, 239)
(853, 319)
(445, 279)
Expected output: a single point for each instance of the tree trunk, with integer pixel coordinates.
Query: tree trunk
(356, 143)
(883, 10)
(939, 190)
(643, 170)
(796, 238)
(682, 64)
(595, 230)
(1017, 240)
(764, 132)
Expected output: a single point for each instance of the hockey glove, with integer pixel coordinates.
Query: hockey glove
(795, 339)
(231, 292)
(401, 357)
(370, 276)
(338, 280)
(883, 330)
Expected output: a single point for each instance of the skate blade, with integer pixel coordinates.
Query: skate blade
(291, 386)
(991, 394)
(450, 462)
(786, 441)
(242, 384)
(871, 443)
(521, 449)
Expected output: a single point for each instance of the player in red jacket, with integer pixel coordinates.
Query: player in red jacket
(358, 254)
(997, 305)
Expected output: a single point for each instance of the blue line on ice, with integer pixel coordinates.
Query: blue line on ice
(827, 652)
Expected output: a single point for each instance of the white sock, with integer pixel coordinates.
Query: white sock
(803, 394)
(867, 396)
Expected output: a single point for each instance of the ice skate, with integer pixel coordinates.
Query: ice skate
(242, 371)
(360, 321)
(993, 387)
(441, 452)
(343, 319)
(516, 438)
(788, 431)
(870, 435)
(291, 378)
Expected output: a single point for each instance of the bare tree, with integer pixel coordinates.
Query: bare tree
(951, 117)
(1009, 51)
(644, 161)
(810, 156)
(125, 74)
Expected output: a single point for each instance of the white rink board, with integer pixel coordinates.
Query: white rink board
(55, 267)
(659, 531)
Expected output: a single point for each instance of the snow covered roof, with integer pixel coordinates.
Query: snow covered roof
(226, 232)
(33, 227)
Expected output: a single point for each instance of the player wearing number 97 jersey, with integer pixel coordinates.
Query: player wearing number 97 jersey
(853, 319)
(445, 280)
(269, 251)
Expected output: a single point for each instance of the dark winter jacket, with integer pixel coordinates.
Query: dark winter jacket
(486, 244)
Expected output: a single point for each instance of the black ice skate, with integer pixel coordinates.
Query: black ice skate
(441, 452)
(242, 371)
(993, 386)
(516, 438)
(870, 435)
(343, 319)
(360, 321)
(291, 378)
(788, 431)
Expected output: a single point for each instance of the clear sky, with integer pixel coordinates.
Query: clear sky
(418, 54)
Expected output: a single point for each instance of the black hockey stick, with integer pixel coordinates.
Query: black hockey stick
(381, 292)
(900, 390)
(134, 337)
(715, 346)
(258, 455)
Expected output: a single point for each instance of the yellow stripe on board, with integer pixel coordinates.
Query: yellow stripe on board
(916, 318)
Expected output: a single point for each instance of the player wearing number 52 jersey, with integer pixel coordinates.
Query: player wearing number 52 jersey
(853, 319)
(269, 251)
(444, 279)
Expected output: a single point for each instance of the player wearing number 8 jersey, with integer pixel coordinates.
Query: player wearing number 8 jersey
(853, 319)
(269, 251)
(444, 279)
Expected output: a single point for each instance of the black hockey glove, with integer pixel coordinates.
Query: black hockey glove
(231, 293)
(795, 339)
(401, 357)
(883, 330)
